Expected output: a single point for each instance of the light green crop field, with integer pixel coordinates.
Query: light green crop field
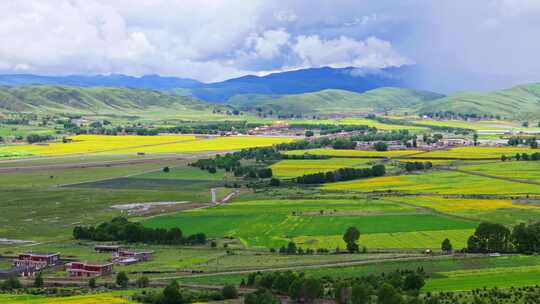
(525, 170)
(354, 153)
(439, 182)
(292, 168)
(503, 211)
(272, 223)
(473, 125)
(475, 152)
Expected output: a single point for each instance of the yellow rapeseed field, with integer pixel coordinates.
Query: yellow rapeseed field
(464, 205)
(476, 152)
(104, 298)
(81, 144)
(293, 168)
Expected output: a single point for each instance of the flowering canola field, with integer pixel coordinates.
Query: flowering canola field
(82, 144)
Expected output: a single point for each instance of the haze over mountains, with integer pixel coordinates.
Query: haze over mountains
(317, 91)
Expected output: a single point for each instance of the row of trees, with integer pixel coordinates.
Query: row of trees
(120, 229)
(35, 138)
(522, 157)
(342, 174)
(530, 141)
(417, 166)
(392, 288)
(491, 237)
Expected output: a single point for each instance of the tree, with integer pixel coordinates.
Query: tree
(413, 282)
(475, 139)
(380, 146)
(490, 237)
(312, 289)
(309, 133)
(446, 246)
(92, 283)
(261, 297)
(291, 248)
(142, 282)
(166, 169)
(171, 294)
(274, 182)
(11, 283)
(229, 292)
(122, 279)
(38, 281)
(387, 294)
(350, 237)
(361, 293)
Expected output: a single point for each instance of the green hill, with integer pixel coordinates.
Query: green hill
(387, 99)
(520, 102)
(95, 100)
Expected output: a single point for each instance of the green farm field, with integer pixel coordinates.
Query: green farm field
(293, 168)
(272, 223)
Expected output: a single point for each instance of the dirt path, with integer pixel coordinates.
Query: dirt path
(227, 198)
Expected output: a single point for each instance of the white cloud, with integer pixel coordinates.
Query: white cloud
(269, 44)
(346, 52)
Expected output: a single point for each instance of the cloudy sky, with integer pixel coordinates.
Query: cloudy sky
(458, 44)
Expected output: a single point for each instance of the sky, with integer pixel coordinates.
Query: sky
(456, 44)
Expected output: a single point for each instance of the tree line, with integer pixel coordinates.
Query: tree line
(342, 174)
(491, 238)
(417, 166)
(522, 157)
(120, 229)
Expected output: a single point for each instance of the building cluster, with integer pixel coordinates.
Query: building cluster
(31, 263)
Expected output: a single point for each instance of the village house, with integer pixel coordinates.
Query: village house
(36, 260)
(83, 269)
(126, 257)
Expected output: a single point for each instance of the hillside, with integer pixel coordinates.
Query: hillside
(338, 101)
(520, 102)
(95, 100)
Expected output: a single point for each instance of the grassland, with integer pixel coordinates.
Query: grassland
(437, 182)
(294, 168)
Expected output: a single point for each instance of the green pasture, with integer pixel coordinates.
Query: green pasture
(292, 168)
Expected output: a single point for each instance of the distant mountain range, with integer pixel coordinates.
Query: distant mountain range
(292, 82)
(304, 92)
